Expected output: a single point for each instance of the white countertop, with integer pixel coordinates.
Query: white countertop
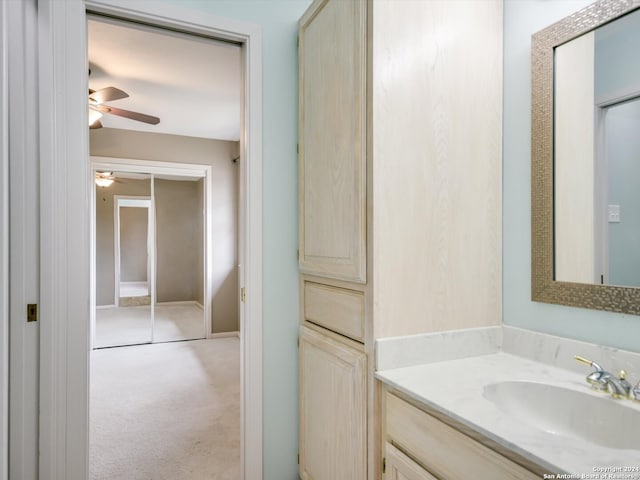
(455, 388)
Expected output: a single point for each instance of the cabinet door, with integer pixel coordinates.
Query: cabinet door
(332, 409)
(401, 467)
(332, 137)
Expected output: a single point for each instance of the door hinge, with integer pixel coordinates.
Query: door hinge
(297, 148)
(298, 254)
(384, 465)
(243, 294)
(32, 312)
(298, 459)
(298, 41)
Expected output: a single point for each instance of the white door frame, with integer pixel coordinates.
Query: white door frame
(65, 204)
(21, 358)
(139, 201)
(4, 246)
(601, 195)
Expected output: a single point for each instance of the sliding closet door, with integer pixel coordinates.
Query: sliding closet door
(124, 235)
(179, 308)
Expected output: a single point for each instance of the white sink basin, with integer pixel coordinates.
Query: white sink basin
(561, 411)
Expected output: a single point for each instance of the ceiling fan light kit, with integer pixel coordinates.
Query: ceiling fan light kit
(104, 179)
(94, 116)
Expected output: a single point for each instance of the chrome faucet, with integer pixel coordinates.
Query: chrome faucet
(617, 387)
(635, 393)
(604, 381)
(624, 383)
(596, 379)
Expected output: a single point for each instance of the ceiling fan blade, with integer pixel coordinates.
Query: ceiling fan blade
(95, 125)
(107, 94)
(140, 117)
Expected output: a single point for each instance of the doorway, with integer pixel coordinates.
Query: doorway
(617, 170)
(170, 237)
(133, 249)
(172, 107)
(60, 356)
(129, 319)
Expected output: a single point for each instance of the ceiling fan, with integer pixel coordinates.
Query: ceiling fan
(97, 98)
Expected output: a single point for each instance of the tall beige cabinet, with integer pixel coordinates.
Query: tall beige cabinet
(400, 201)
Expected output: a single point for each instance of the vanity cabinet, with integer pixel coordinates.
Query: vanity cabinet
(428, 446)
(332, 418)
(334, 371)
(399, 147)
(332, 140)
(399, 466)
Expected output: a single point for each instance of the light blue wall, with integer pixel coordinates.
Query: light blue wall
(523, 18)
(278, 20)
(615, 43)
(623, 144)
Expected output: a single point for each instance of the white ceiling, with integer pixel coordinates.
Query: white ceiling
(192, 84)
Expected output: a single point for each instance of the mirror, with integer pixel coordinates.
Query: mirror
(179, 307)
(585, 135)
(123, 261)
(150, 258)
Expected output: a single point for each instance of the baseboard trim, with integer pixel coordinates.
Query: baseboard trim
(104, 307)
(180, 302)
(224, 334)
(160, 304)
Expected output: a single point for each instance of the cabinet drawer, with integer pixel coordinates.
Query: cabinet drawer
(444, 451)
(337, 309)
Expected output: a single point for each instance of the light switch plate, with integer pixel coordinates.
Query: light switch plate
(614, 213)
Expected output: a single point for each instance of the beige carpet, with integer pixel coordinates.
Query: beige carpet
(166, 411)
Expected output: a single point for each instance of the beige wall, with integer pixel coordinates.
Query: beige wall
(134, 223)
(179, 241)
(224, 220)
(218, 154)
(105, 237)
